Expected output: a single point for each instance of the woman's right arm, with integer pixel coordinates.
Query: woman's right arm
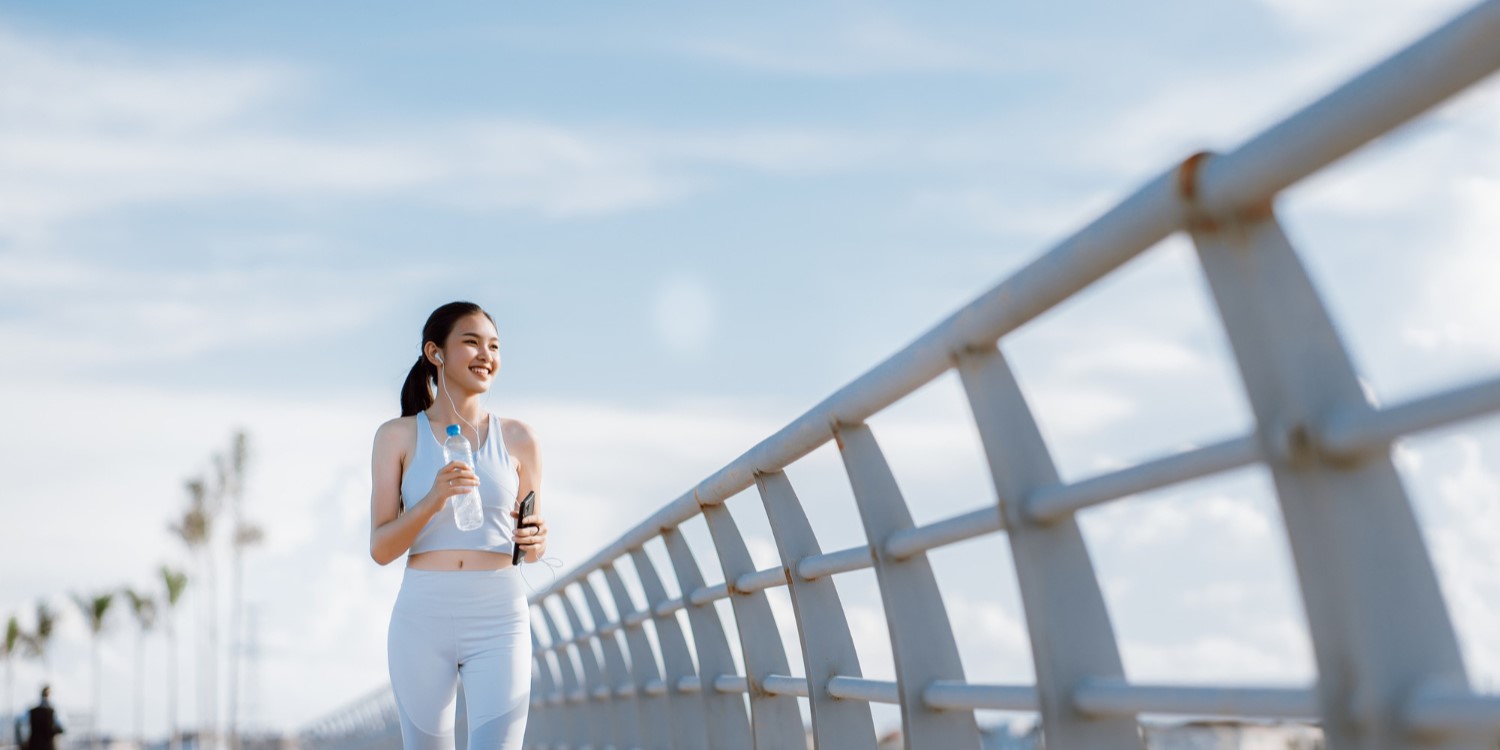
(392, 531)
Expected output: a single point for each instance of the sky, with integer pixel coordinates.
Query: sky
(691, 225)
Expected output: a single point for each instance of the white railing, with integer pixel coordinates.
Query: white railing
(369, 723)
(1390, 672)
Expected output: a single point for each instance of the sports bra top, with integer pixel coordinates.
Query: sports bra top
(498, 485)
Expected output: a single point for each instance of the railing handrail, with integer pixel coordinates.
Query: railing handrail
(1446, 61)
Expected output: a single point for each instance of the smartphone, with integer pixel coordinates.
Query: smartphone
(528, 506)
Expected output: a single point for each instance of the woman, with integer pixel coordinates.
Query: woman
(462, 607)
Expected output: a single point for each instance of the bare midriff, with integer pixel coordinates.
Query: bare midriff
(458, 559)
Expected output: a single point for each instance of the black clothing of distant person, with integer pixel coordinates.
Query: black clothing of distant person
(44, 726)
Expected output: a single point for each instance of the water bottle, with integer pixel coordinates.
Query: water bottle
(467, 511)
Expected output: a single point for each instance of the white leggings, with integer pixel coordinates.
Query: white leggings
(473, 623)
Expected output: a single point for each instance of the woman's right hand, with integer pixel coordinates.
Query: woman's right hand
(454, 479)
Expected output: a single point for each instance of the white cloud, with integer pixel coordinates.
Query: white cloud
(1219, 594)
(992, 641)
(145, 130)
(1380, 25)
(1458, 488)
(1155, 522)
(120, 313)
(149, 129)
(1130, 353)
(1071, 409)
(552, 170)
(52, 174)
(1456, 309)
(861, 47)
(1282, 655)
(997, 646)
(872, 641)
(122, 89)
(762, 551)
(1218, 108)
(1215, 109)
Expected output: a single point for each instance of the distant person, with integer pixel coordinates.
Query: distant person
(43, 724)
(462, 605)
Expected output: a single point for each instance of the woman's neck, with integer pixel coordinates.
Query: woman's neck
(468, 409)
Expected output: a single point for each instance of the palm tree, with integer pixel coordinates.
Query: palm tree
(37, 642)
(196, 531)
(14, 639)
(246, 534)
(175, 582)
(231, 475)
(143, 606)
(94, 609)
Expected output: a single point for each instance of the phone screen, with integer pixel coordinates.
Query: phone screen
(528, 503)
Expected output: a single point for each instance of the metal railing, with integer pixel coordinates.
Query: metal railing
(1389, 669)
(370, 723)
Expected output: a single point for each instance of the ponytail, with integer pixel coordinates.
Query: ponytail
(416, 393)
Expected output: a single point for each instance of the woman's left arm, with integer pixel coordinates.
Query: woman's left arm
(521, 442)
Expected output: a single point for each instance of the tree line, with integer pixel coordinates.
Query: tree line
(214, 509)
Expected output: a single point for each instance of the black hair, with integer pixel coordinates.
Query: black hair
(417, 393)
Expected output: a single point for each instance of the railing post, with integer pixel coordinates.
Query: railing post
(827, 647)
(921, 636)
(653, 714)
(1379, 625)
(728, 728)
(689, 730)
(593, 676)
(1071, 636)
(627, 727)
(775, 720)
(587, 726)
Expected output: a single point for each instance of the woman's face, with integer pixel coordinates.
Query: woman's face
(472, 354)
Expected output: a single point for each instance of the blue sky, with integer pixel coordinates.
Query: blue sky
(691, 225)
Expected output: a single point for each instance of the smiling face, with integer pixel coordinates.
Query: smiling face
(471, 356)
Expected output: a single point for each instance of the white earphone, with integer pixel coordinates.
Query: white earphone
(440, 357)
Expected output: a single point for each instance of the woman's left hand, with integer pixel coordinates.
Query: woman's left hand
(531, 536)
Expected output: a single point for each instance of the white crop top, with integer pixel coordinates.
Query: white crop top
(498, 485)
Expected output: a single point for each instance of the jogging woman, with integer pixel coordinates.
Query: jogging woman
(462, 609)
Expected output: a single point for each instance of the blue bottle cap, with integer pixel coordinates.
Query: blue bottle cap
(452, 430)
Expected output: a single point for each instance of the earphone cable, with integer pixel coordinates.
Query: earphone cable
(444, 388)
(552, 563)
